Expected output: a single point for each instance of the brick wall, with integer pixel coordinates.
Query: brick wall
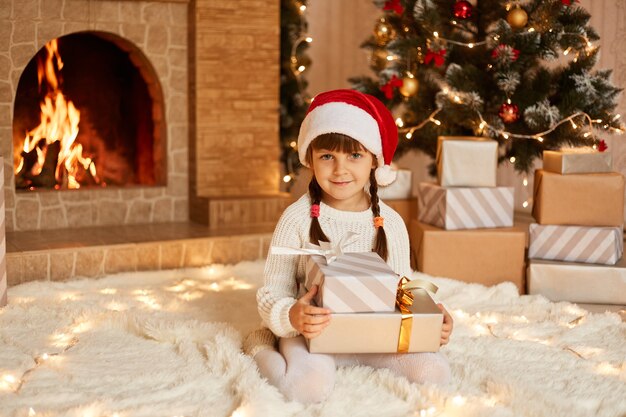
(235, 91)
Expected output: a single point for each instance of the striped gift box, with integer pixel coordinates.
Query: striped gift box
(465, 208)
(3, 246)
(353, 283)
(596, 245)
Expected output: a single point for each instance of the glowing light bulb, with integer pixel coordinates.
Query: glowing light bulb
(301, 68)
(436, 34)
(470, 45)
(399, 122)
(287, 178)
(409, 135)
(525, 182)
(512, 159)
(505, 135)
(540, 139)
(437, 122)
(309, 39)
(302, 8)
(293, 144)
(525, 204)
(567, 50)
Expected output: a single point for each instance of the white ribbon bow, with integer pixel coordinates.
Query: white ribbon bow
(325, 249)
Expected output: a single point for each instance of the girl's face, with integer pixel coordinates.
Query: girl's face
(343, 176)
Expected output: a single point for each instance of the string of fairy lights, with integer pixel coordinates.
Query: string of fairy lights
(408, 131)
(492, 131)
(297, 69)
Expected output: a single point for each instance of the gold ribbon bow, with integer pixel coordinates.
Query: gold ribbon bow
(404, 300)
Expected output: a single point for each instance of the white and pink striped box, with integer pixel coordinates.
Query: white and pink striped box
(353, 283)
(3, 244)
(596, 245)
(458, 208)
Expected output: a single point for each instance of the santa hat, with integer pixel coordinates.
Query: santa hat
(362, 117)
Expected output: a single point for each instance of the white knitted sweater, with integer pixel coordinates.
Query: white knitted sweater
(282, 272)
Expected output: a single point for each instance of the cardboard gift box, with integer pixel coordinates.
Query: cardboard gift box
(577, 282)
(598, 245)
(571, 161)
(484, 256)
(466, 161)
(401, 188)
(579, 199)
(464, 207)
(3, 245)
(353, 283)
(406, 208)
(381, 332)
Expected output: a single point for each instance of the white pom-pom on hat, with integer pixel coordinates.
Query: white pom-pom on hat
(360, 116)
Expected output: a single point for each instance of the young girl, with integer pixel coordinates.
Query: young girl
(347, 139)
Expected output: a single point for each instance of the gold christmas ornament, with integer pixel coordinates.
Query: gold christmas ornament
(517, 18)
(384, 32)
(409, 86)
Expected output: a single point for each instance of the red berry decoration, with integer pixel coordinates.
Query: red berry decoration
(602, 146)
(462, 9)
(509, 113)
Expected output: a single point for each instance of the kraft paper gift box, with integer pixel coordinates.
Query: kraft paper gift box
(465, 207)
(578, 282)
(3, 246)
(380, 332)
(572, 161)
(401, 188)
(466, 161)
(484, 256)
(406, 208)
(353, 283)
(579, 199)
(597, 245)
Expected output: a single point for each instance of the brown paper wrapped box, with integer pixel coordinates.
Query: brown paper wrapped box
(407, 209)
(579, 199)
(574, 162)
(578, 282)
(379, 332)
(484, 256)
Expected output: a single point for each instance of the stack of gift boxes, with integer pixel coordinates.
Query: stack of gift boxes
(465, 224)
(373, 309)
(576, 247)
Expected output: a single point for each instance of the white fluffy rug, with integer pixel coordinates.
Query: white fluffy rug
(168, 344)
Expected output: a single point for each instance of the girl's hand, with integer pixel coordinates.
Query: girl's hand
(307, 319)
(446, 328)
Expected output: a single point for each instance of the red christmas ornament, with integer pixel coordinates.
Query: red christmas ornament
(503, 50)
(568, 2)
(394, 82)
(509, 113)
(439, 57)
(462, 9)
(395, 6)
(602, 146)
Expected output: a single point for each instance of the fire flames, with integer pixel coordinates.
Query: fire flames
(51, 157)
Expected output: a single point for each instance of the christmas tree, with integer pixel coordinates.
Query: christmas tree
(518, 72)
(294, 100)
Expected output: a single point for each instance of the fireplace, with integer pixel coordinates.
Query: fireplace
(84, 116)
(135, 160)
